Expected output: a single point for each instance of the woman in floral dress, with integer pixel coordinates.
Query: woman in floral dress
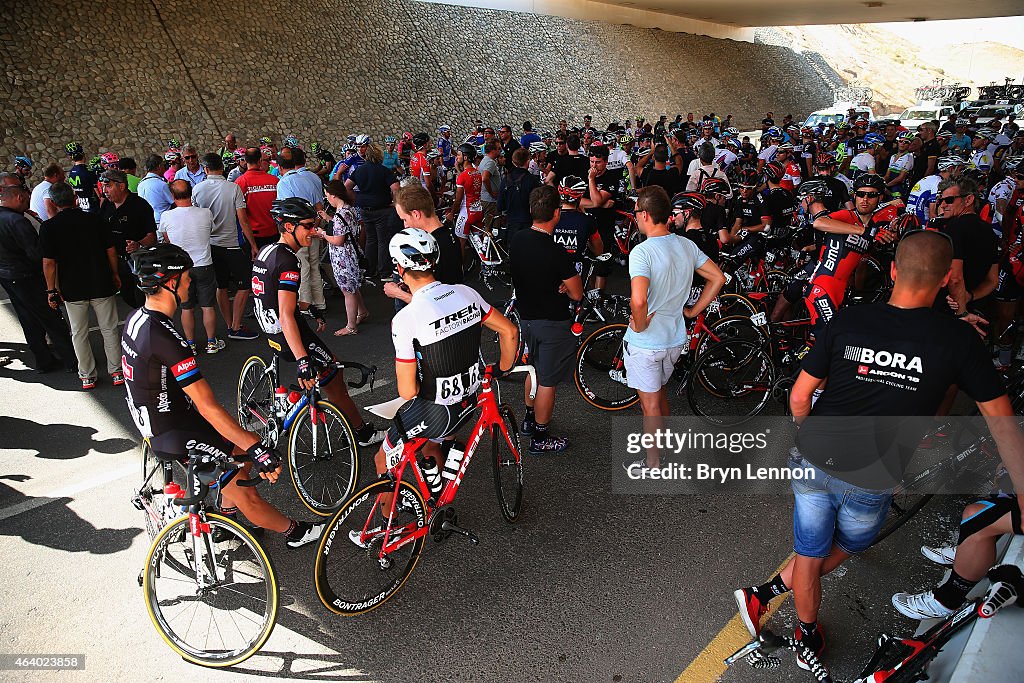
(344, 241)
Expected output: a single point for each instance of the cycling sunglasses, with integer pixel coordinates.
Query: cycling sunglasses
(866, 195)
(926, 231)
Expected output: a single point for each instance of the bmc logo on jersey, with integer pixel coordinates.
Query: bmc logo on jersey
(257, 286)
(184, 366)
(885, 359)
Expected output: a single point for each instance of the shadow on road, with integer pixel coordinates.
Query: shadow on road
(57, 441)
(64, 529)
(314, 667)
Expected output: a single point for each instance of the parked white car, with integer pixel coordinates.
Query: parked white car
(914, 116)
(837, 114)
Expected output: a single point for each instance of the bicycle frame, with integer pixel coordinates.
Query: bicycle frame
(487, 403)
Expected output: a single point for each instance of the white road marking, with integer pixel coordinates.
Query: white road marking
(70, 490)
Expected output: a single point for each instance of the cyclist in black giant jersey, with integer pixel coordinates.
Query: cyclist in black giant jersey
(437, 351)
(174, 407)
(275, 289)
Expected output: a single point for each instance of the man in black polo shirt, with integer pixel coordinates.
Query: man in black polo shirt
(975, 271)
(80, 266)
(880, 360)
(131, 223)
(545, 279)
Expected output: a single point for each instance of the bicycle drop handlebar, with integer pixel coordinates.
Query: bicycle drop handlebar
(205, 473)
(366, 374)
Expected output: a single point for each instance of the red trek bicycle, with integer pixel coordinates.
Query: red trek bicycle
(374, 541)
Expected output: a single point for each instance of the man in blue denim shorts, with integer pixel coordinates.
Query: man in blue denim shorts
(882, 361)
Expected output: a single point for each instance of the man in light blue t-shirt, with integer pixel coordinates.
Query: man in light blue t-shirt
(661, 270)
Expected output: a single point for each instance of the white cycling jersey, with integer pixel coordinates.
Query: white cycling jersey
(440, 331)
(617, 159)
(922, 195)
(1001, 190)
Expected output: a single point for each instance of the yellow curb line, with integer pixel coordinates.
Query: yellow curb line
(709, 665)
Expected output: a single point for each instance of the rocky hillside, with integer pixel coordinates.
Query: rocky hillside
(893, 67)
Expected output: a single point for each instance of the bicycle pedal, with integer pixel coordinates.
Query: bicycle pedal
(455, 529)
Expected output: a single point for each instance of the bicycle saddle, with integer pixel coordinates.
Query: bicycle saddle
(389, 409)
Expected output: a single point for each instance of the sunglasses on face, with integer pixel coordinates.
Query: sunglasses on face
(308, 225)
(949, 199)
(867, 195)
(191, 156)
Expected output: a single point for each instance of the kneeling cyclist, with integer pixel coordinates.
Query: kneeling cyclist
(175, 407)
(275, 288)
(437, 352)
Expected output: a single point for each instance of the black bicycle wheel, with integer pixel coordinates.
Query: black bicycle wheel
(731, 382)
(508, 464)
(600, 374)
(351, 579)
(229, 617)
(323, 458)
(727, 305)
(905, 504)
(255, 398)
(733, 327)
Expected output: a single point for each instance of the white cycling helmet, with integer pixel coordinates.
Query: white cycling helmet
(949, 161)
(536, 147)
(414, 249)
(362, 140)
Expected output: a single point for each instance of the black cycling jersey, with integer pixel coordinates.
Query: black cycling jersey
(780, 205)
(573, 234)
(83, 182)
(157, 365)
(276, 267)
(749, 211)
(840, 193)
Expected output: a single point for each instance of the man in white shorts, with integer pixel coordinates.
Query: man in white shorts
(661, 270)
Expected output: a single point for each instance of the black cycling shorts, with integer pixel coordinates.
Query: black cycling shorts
(425, 419)
(322, 357)
(993, 509)
(194, 433)
(1008, 290)
(233, 267)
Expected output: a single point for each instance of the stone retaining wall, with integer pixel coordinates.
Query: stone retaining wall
(128, 76)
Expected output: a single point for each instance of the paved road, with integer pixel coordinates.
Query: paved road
(589, 585)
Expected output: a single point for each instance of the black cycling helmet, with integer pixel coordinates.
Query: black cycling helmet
(468, 151)
(715, 186)
(572, 188)
(906, 223)
(872, 180)
(73, 149)
(155, 266)
(824, 160)
(813, 187)
(420, 139)
(688, 201)
(748, 177)
(291, 210)
(774, 171)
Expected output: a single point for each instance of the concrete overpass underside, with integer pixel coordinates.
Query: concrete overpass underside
(736, 18)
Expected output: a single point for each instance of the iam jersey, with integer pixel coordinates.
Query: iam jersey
(157, 364)
(276, 267)
(439, 331)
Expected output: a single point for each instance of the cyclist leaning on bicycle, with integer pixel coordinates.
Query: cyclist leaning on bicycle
(275, 288)
(437, 350)
(173, 405)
